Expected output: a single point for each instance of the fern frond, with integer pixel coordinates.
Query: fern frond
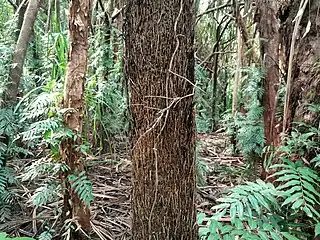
(45, 194)
(300, 185)
(82, 186)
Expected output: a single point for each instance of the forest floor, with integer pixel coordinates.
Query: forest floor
(111, 177)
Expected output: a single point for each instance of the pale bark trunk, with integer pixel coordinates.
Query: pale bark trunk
(79, 22)
(237, 74)
(21, 50)
(49, 15)
(159, 68)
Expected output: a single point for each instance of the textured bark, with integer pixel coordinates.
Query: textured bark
(79, 22)
(159, 68)
(269, 43)
(21, 49)
(305, 71)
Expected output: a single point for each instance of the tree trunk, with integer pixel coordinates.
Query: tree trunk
(305, 77)
(79, 22)
(57, 15)
(21, 49)
(269, 44)
(237, 75)
(21, 12)
(49, 15)
(159, 68)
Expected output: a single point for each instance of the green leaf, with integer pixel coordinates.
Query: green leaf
(200, 218)
(308, 186)
(292, 198)
(292, 190)
(263, 235)
(267, 227)
(275, 236)
(289, 184)
(307, 211)
(203, 231)
(233, 212)
(213, 226)
(240, 210)
(255, 204)
(238, 223)
(226, 229)
(298, 204)
(317, 229)
(252, 224)
(289, 236)
(221, 206)
(287, 177)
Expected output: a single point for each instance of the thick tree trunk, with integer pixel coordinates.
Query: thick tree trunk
(21, 49)
(79, 22)
(269, 43)
(159, 68)
(305, 77)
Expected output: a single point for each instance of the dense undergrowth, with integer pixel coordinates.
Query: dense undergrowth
(284, 206)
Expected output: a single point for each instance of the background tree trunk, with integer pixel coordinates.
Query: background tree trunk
(269, 43)
(159, 68)
(21, 12)
(79, 22)
(21, 49)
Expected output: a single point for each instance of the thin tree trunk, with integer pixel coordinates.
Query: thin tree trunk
(269, 44)
(57, 14)
(159, 68)
(21, 50)
(49, 15)
(22, 6)
(79, 22)
(237, 74)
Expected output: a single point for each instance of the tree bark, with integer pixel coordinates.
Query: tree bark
(159, 68)
(79, 22)
(305, 77)
(237, 75)
(22, 6)
(49, 15)
(21, 50)
(269, 44)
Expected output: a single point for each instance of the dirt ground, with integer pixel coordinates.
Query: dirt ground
(111, 178)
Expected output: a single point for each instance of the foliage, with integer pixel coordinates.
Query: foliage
(4, 236)
(82, 186)
(203, 103)
(283, 210)
(248, 127)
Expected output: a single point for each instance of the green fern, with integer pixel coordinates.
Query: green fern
(4, 236)
(82, 186)
(254, 212)
(6, 197)
(46, 235)
(300, 187)
(45, 194)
